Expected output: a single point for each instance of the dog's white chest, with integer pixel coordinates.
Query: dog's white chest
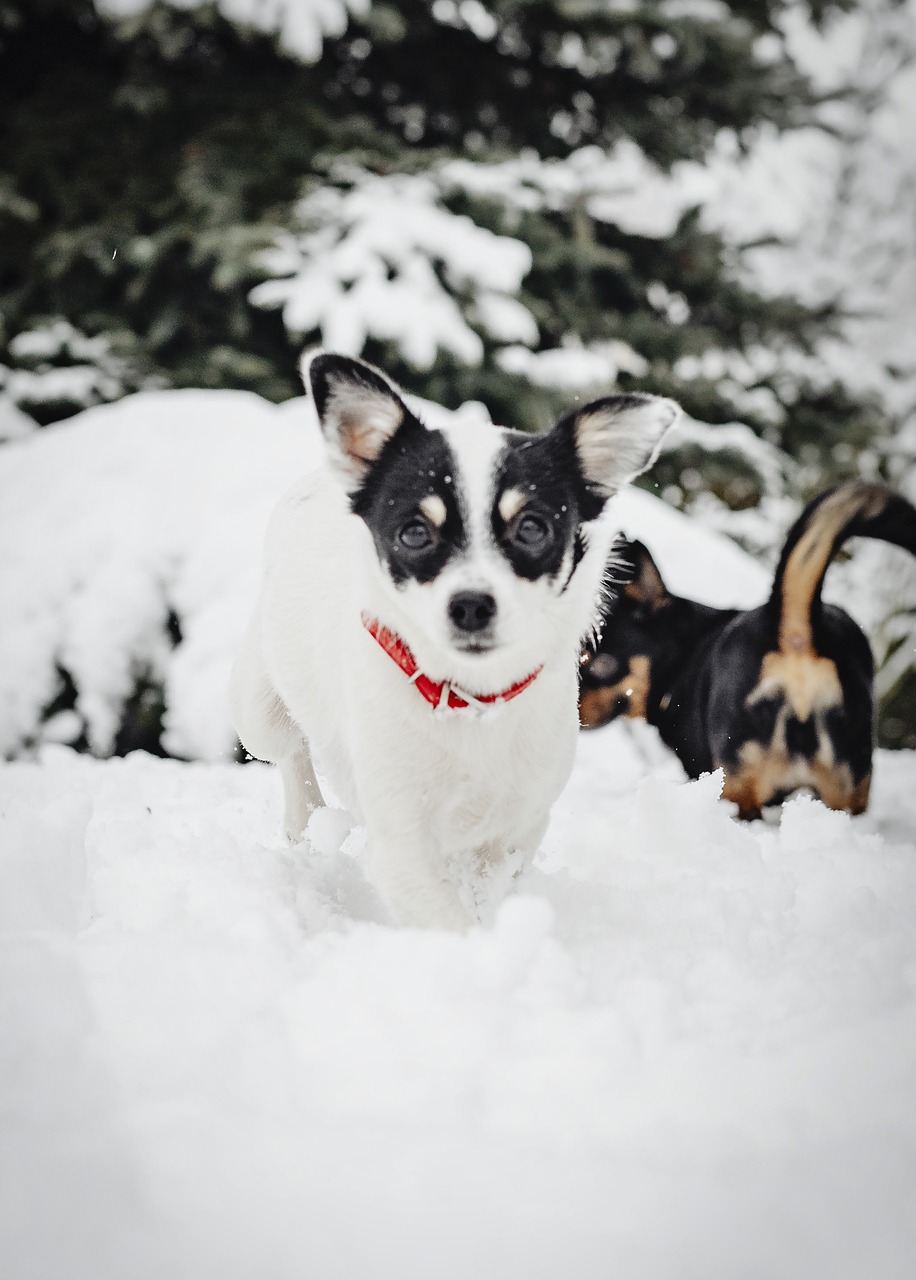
(496, 781)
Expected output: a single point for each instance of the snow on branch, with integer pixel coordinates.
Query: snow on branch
(301, 25)
(573, 366)
(620, 186)
(381, 257)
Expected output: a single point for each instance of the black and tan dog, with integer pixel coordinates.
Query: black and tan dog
(779, 697)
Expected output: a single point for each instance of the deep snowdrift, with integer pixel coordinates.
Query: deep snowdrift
(684, 1048)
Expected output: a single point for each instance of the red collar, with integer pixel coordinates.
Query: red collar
(442, 693)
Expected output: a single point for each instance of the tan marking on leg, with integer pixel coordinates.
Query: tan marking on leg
(741, 788)
(766, 772)
(858, 801)
(834, 786)
(762, 773)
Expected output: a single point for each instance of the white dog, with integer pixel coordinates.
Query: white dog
(418, 632)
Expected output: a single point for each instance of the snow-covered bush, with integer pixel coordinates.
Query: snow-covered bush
(129, 550)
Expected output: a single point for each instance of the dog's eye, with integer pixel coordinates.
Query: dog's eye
(604, 668)
(416, 535)
(532, 531)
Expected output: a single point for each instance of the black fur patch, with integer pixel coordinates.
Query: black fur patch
(545, 470)
(414, 464)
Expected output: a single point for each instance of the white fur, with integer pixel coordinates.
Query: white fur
(434, 789)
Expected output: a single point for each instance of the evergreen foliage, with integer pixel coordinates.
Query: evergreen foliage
(151, 162)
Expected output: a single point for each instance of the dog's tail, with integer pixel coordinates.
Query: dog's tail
(855, 508)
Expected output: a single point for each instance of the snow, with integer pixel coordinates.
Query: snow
(364, 267)
(61, 365)
(843, 197)
(680, 1047)
(468, 14)
(110, 520)
(301, 25)
(14, 424)
(683, 1048)
(620, 186)
(574, 367)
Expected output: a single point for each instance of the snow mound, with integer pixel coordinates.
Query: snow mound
(119, 517)
(684, 1046)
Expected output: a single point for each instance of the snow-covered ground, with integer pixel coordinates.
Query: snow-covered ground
(684, 1048)
(681, 1048)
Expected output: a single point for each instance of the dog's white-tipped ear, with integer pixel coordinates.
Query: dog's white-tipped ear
(359, 411)
(618, 437)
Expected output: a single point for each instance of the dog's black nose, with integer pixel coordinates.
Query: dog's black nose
(471, 610)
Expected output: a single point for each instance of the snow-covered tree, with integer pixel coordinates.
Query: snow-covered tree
(500, 201)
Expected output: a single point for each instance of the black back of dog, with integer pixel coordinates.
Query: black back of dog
(779, 697)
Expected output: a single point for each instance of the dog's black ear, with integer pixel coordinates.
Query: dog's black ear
(618, 437)
(645, 587)
(359, 411)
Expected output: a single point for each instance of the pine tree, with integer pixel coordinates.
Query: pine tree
(158, 166)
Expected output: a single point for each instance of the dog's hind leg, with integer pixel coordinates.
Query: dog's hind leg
(742, 787)
(301, 792)
(268, 731)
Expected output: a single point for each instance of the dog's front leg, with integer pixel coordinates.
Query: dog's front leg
(530, 842)
(415, 890)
